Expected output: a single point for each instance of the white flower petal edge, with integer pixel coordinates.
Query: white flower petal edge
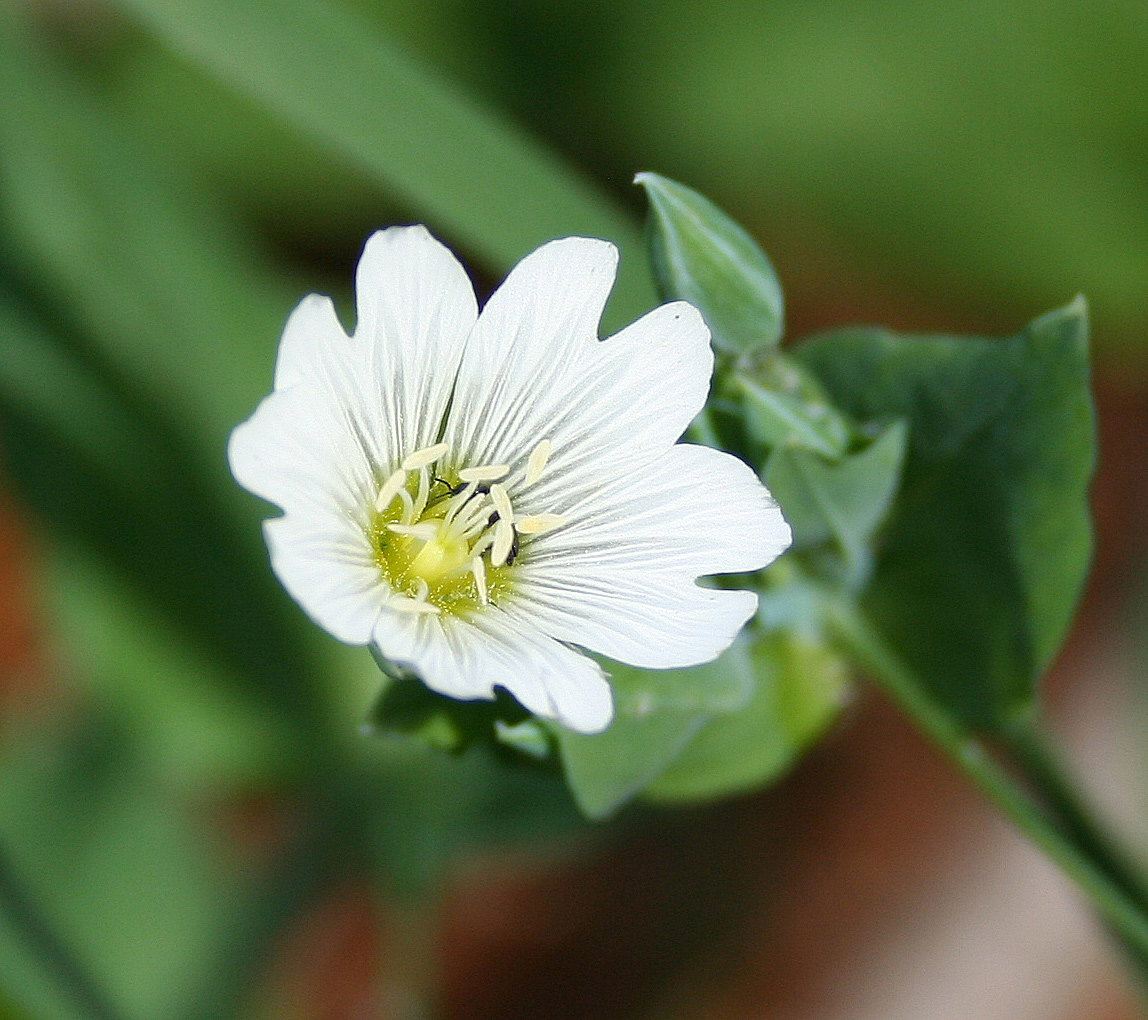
(475, 494)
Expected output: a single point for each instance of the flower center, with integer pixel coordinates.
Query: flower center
(448, 542)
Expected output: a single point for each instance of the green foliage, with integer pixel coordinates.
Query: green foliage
(449, 160)
(780, 403)
(841, 500)
(701, 256)
(408, 706)
(799, 684)
(656, 714)
(987, 548)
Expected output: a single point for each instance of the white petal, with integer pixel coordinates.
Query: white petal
(469, 658)
(311, 337)
(305, 452)
(530, 340)
(620, 578)
(327, 566)
(535, 369)
(638, 392)
(416, 307)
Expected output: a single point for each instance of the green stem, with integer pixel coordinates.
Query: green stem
(1038, 763)
(19, 906)
(1112, 901)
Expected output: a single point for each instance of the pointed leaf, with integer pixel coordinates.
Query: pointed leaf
(988, 544)
(846, 500)
(702, 256)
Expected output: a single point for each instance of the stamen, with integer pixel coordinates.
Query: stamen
(482, 544)
(406, 605)
(474, 512)
(476, 528)
(459, 502)
(539, 524)
(479, 570)
(423, 493)
(422, 458)
(501, 502)
(484, 473)
(503, 540)
(537, 461)
(390, 490)
(422, 589)
(427, 530)
(408, 505)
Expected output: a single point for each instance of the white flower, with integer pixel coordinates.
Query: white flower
(475, 494)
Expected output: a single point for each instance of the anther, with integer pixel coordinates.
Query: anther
(503, 540)
(390, 490)
(539, 524)
(537, 461)
(479, 570)
(425, 456)
(484, 473)
(501, 502)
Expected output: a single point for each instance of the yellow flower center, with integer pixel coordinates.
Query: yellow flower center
(448, 543)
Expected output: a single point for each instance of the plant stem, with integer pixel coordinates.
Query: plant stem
(1038, 763)
(1113, 902)
(19, 906)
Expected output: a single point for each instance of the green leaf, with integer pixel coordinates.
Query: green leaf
(139, 331)
(988, 544)
(844, 501)
(329, 73)
(195, 723)
(408, 706)
(799, 686)
(128, 879)
(702, 256)
(783, 404)
(655, 713)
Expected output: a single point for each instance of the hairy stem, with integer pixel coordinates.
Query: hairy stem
(1122, 911)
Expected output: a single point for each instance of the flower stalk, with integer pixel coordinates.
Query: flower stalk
(1079, 859)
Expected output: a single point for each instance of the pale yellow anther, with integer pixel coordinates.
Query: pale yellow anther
(422, 458)
(426, 531)
(390, 490)
(484, 473)
(479, 570)
(539, 524)
(537, 461)
(503, 540)
(406, 605)
(501, 501)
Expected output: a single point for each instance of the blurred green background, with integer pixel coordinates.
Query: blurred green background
(181, 773)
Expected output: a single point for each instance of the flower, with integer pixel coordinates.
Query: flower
(477, 494)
